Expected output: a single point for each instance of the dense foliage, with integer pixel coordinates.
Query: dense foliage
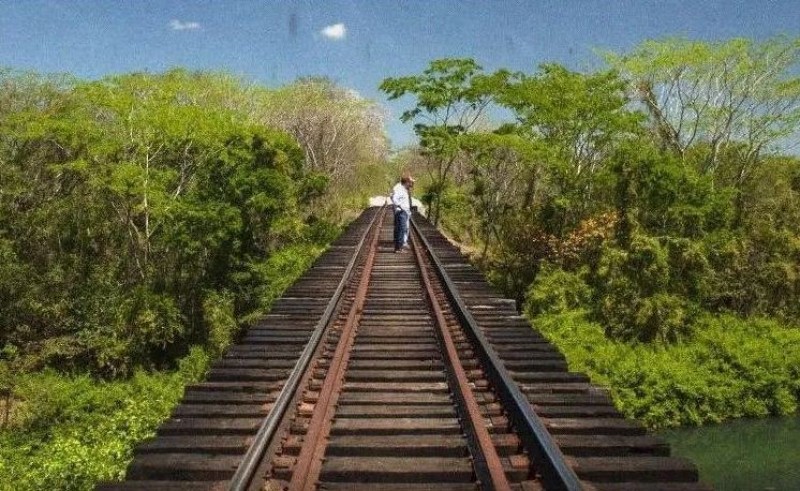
(144, 219)
(656, 198)
(138, 213)
(734, 368)
(73, 431)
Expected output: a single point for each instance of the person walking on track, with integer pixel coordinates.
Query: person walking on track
(401, 202)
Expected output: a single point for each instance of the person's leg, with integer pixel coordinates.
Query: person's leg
(403, 229)
(406, 229)
(398, 232)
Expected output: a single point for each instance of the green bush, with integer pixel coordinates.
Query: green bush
(69, 432)
(277, 272)
(755, 274)
(634, 300)
(556, 291)
(218, 313)
(136, 196)
(731, 368)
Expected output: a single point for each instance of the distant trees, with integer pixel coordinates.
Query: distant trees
(733, 100)
(337, 129)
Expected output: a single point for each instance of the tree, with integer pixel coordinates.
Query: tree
(126, 204)
(337, 129)
(452, 95)
(737, 98)
(505, 178)
(580, 119)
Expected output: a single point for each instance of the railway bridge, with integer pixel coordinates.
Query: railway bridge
(387, 371)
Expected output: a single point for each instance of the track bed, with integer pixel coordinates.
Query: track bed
(403, 371)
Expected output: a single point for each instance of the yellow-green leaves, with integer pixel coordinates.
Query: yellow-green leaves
(124, 200)
(737, 97)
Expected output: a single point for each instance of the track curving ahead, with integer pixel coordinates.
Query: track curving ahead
(398, 371)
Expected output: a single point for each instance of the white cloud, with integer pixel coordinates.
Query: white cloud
(177, 25)
(334, 32)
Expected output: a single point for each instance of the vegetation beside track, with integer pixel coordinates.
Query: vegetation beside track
(654, 235)
(71, 431)
(144, 219)
(733, 368)
(647, 215)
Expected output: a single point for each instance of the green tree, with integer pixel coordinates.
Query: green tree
(735, 100)
(127, 202)
(452, 96)
(580, 119)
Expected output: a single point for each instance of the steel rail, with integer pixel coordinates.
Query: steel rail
(243, 476)
(556, 472)
(487, 464)
(309, 463)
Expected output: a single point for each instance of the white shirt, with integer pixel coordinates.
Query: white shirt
(400, 197)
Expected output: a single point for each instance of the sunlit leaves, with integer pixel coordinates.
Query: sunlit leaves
(337, 129)
(451, 98)
(129, 199)
(737, 93)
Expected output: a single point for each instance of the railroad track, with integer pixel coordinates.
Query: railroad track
(404, 371)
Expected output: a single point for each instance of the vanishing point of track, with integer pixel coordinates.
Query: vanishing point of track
(387, 371)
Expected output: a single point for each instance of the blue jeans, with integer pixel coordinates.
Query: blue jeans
(400, 229)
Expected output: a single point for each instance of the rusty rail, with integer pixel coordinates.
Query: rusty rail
(245, 472)
(434, 418)
(409, 373)
(555, 470)
(309, 463)
(487, 463)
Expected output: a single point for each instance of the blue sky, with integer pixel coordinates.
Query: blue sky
(275, 42)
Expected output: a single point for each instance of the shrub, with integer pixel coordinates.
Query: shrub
(634, 299)
(556, 291)
(72, 431)
(732, 368)
(218, 314)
